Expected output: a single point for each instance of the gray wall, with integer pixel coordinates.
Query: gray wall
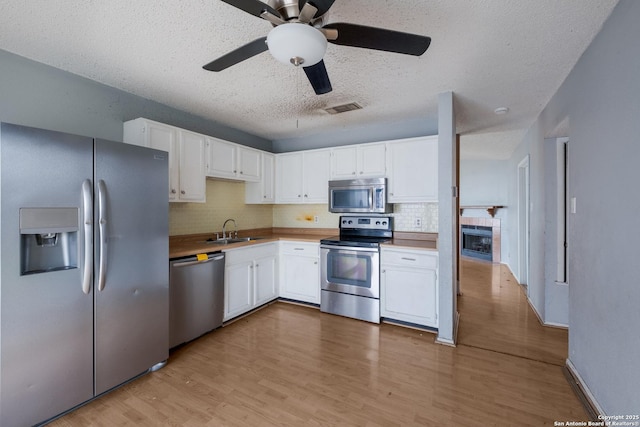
(34, 94)
(427, 125)
(601, 99)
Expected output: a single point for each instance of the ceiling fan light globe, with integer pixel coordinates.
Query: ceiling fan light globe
(297, 41)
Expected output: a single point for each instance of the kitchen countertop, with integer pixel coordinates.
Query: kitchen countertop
(192, 244)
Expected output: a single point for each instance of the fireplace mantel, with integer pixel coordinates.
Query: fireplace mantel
(491, 209)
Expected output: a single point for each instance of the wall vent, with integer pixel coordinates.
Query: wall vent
(343, 108)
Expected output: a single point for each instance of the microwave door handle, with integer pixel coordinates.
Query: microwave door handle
(371, 197)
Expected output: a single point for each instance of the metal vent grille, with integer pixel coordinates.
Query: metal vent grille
(343, 108)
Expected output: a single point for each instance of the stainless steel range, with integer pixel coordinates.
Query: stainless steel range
(350, 275)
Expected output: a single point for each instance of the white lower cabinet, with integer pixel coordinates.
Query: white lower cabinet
(409, 286)
(250, 278)
(300, 271)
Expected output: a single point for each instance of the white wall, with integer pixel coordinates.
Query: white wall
(484, 182)
(601, 99)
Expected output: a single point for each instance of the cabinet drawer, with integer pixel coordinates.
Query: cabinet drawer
(248, 253)
(300, 248)
(416, 259)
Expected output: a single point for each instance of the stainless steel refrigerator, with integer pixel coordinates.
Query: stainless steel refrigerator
(84, 269)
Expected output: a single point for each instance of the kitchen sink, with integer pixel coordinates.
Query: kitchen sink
(232, 240)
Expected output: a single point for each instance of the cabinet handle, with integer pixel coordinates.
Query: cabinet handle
(353, 173)
(182, 192)
(384, 271)
(241, 172)
(299, 195)
(315, 262)
(257, 265)
(361, 172)
(408, 259)
(173, 191)
(298, 249)
(234, 171)
(306, 195)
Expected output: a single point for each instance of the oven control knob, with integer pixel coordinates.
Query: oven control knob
(350, 222)
(377, 222)
(384, 222)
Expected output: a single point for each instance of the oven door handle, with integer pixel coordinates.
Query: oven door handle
(348, 248)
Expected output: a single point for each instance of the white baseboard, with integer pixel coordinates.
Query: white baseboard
(587, 397)
(446, 341)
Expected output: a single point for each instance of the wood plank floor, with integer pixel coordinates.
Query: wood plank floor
(288, 365)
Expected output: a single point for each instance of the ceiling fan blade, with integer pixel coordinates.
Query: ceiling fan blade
(245, 52)
(379, 39)
(254, 7)
(322, 6)
(318, 77)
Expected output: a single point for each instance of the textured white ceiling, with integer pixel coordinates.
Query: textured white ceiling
(490, 53)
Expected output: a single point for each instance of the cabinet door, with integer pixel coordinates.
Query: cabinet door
(289, 178)
(344, 163)
(192, 168)
(412, 167)
(265, 280)
(372, 160)
(409, 294)
(221, 158)
(249, 162)
(300, 278)
(238, 287)
(316, 173)
(262, 191)
(268, 178)
(164, 138)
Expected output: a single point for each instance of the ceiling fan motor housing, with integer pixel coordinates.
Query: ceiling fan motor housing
(290, 11)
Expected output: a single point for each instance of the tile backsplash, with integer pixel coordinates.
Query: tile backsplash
(407, 215)
(225, 199)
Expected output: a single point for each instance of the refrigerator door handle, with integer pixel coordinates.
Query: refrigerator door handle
(87, 211)
(102, 220)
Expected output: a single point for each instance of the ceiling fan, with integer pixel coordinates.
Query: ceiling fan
(300, 38)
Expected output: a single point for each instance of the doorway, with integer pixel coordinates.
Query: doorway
(523, 222)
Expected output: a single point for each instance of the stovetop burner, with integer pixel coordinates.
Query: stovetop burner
(362, 231)
(362, 242)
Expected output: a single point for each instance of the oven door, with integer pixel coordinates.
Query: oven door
(350, 270)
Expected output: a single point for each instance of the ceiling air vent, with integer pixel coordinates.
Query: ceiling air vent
(343, 108)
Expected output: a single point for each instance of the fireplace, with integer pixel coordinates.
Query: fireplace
(477, 242)
(482, 237)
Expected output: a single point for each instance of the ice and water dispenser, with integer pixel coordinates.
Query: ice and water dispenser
(48, 239)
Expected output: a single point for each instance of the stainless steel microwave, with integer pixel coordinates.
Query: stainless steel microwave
(359, 196)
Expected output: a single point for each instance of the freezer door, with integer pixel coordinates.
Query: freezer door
(46, 320)
(131, 262)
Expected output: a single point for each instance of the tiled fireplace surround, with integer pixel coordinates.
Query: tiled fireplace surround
(495, 228)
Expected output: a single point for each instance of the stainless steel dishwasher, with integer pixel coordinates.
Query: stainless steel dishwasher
(196, 296)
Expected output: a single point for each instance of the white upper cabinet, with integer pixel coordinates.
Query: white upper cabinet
(186, 156)
(263, 191)
(361, 161)
(303, 177)
(192, 186)
(412, 170)
(232, 161)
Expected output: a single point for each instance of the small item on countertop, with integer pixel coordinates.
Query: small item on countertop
(202, 257)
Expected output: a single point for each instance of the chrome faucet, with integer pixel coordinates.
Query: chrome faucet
(224, 226)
